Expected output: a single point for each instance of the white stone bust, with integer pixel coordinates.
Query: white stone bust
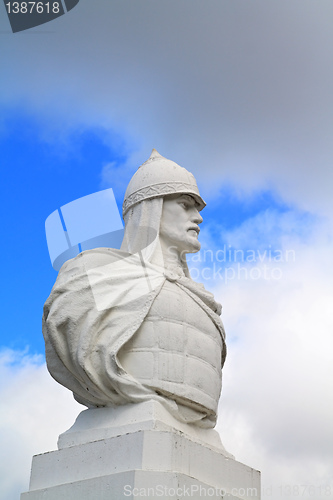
(129, 325)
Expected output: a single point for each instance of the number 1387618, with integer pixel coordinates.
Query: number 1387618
(33, 7)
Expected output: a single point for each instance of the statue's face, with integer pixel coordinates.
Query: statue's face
(180, 221)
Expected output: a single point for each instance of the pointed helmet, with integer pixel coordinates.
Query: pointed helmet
(158, 177)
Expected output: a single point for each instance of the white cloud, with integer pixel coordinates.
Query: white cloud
(34, 411)
(276, 409)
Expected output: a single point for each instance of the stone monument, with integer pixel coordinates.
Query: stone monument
(141, 345)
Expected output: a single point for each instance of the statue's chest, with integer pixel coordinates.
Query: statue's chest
(177, 349)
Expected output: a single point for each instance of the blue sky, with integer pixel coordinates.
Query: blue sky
(39, 177)
(239, 93)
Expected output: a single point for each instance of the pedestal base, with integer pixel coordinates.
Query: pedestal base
(139, 451)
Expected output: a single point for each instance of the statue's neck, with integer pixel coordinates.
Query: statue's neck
(169, 258)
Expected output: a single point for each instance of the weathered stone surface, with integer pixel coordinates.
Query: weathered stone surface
(160, 455)
(96, 424)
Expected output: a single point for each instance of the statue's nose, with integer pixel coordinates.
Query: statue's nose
(197, 217)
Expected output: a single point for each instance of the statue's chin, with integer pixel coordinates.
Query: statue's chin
(188, 244)
(193, 245)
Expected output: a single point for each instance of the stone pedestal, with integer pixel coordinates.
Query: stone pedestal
(139, 451)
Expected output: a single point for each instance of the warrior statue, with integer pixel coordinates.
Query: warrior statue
(130, 325)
